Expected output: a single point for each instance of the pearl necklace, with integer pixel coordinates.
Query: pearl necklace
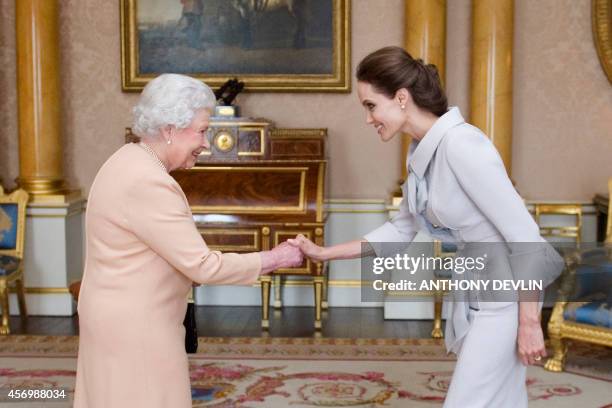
(152, 153)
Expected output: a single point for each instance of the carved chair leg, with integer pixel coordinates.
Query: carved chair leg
(318, 291)
(265, 301)
(436, 333)
(324, 304)
(4, 329)
(557, 362)
(23, 310)
(278, 283)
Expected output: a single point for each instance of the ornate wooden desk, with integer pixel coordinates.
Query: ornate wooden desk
(257, 187)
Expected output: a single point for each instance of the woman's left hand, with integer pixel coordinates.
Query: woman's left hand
(531, 342)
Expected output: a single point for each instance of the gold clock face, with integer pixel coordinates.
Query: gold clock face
(224, 141)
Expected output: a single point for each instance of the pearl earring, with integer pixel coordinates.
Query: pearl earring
(169, 141)
(403, 107)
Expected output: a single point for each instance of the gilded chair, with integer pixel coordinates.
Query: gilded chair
(573, 232)
(12, 232)
(583, 311)
(441, 250)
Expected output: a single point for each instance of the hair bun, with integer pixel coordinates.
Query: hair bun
(432, 72)
(392, 68)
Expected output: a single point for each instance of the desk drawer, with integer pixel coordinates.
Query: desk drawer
(251, 238)
(281, 235)
(232, 239)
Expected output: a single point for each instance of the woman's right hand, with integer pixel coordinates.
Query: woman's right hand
(282, 256)
(308, 248)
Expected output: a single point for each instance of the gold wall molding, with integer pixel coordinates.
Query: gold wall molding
(44, 291)
(337, 205)
(353, 211)
(67, 215)
(291, 133)
(67, 208)
(341, 283)
(355, 201)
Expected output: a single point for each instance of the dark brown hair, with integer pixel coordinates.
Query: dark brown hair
(392, 68)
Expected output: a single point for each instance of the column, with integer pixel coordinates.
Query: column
(491, 72)
(38, 90)
(425, 38)
(53, 255)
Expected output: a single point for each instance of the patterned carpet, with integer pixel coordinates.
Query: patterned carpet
(283, 372)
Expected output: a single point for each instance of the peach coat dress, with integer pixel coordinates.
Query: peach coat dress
(143, 252)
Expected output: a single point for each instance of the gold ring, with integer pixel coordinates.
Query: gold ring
(538, 358)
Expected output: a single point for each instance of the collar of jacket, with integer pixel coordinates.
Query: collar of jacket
(422, 152)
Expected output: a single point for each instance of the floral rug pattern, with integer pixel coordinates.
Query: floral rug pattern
(273, 372)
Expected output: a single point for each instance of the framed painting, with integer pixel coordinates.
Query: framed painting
(270, 45)
(602, 33)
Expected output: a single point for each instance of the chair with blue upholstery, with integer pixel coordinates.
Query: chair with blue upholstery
(12, 234)
(583, 311)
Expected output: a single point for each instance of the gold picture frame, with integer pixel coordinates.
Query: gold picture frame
(602, 33)
(312, 54)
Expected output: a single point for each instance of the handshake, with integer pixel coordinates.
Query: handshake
(289, 254)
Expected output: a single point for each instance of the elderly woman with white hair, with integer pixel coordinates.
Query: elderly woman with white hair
(143, 254)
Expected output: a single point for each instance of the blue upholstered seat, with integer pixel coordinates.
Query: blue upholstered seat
(447, 248)
(593, 277)
(8, 225)
(583, 310)
(443, 273)
(593, 313)
(592, 290)
(12, 232)
(8, 264)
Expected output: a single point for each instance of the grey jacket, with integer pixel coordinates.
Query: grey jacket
(458, 191)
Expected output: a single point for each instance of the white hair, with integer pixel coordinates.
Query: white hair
(170, 99)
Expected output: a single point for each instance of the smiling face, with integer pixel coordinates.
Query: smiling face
(189, 142)
(382, 112)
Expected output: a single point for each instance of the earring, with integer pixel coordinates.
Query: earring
(169, 141)
(403, 107)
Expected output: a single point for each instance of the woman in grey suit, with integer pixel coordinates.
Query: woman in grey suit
(458, 191)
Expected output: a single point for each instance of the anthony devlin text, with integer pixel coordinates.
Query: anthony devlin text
(462, 284)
